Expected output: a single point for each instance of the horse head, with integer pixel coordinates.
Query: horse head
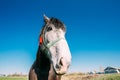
(54, 44)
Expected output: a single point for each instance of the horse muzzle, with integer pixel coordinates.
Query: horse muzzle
(61, 67)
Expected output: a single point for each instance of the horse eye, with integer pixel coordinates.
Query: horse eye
(49, 29)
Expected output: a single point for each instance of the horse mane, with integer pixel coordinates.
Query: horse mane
(57, 23)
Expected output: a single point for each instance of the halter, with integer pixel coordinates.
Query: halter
(42, 41)
(46, 45)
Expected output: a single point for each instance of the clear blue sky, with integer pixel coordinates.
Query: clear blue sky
(93, 32)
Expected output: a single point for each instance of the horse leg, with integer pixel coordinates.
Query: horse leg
(58, 77)
(52, 75)
(32, 74)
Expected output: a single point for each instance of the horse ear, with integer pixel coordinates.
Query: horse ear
(46, 19)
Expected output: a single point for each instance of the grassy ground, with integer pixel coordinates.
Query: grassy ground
(78, 76)
(75, 76)
(13, 78)
(108, 77)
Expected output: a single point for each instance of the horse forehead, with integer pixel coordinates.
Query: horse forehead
(55, 34)
(51, 35)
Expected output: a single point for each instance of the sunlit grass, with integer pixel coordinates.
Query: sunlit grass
(76, 76)
(107, 77)
(13, 78)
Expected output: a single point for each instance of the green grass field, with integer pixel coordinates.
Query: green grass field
(107, 77)
(13, 78)
(75, 77)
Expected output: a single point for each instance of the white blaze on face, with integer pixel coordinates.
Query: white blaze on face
(60, 53)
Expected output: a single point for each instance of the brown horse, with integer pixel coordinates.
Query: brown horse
(53, 55)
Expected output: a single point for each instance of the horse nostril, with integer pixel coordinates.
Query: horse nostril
(61, 61)
(57, 66)
(60, 64)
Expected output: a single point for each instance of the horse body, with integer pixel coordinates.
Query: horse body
(53, 55)
(42, 69)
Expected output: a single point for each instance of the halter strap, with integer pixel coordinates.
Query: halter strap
(42, 41)
(53, 42)
(47, 46)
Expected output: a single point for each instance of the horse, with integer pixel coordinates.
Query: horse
(53, 55)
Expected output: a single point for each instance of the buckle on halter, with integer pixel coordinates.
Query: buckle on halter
(41, 40)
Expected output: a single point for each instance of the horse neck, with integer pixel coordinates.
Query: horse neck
(45, 65)
(42, 60)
